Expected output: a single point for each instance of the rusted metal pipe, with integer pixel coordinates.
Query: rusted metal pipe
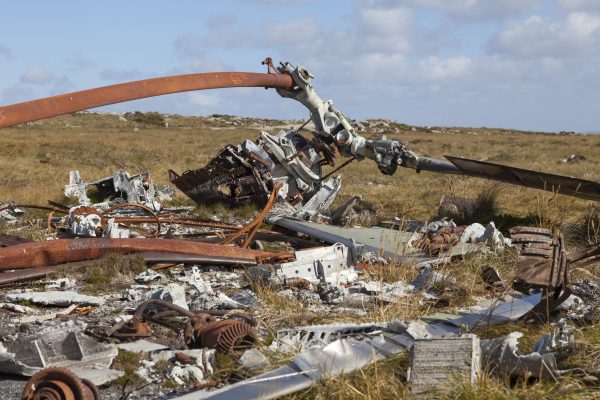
(52, 252)
(26, 274)
(197, 259)
(67, 103)
(45, 208)
(253, 226)
(154, 215)
(178, 221)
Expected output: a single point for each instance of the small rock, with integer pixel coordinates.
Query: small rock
(573, 158)
(148, 276)
(309, 297)
(253, 360)
(17, 308)
(62, 284)
(247, 298)
(132, 294)
(182, 374)
(333, 294)
(172, 293)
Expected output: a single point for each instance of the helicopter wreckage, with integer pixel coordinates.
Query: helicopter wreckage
(330, 265)
(248, 172)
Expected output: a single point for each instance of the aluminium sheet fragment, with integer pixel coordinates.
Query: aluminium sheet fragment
(388, 243)
(434, 361)
(347, 354)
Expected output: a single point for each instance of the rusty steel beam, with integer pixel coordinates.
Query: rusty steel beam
(26, 274)
(53, 252)
(198, 259)
(71, 102)
(252, 227)
(178, 221)
(21, 275)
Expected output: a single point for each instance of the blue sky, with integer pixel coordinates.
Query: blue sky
(526, 64)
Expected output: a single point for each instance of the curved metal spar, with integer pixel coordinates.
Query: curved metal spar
(77, 101)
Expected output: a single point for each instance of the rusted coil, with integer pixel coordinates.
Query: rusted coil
(59, 384)
(201, 330)
(228, 336)
(67, 103)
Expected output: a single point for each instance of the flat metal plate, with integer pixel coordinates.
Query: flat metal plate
(385, 242)
(532, 179)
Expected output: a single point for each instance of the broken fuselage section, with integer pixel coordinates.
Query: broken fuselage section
(248, 173)
(119, 188)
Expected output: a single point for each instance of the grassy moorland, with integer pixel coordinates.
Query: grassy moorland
(36, 158)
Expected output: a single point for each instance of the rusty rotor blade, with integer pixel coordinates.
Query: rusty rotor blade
(67, 103)
(52, 252)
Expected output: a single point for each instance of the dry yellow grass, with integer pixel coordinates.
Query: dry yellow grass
(36, 160)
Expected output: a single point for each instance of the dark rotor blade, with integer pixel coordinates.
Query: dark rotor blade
(67, 103)
(532, 179)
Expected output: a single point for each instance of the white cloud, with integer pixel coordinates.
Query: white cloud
(16, 93)
(48, 82)
(5, 52)
(203, 99)
(435, 68)
(385, 30)
(188, 45)
(60, 85)
(79, 63)
(37, 76)
(476, 9)
(385, 60)
(304, 29)
(539, 36)
(207, 64)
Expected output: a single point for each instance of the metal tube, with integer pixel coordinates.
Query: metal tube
(67, 103)
(26, 274)
(52, 252)
(149, 257)
(195, 259)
